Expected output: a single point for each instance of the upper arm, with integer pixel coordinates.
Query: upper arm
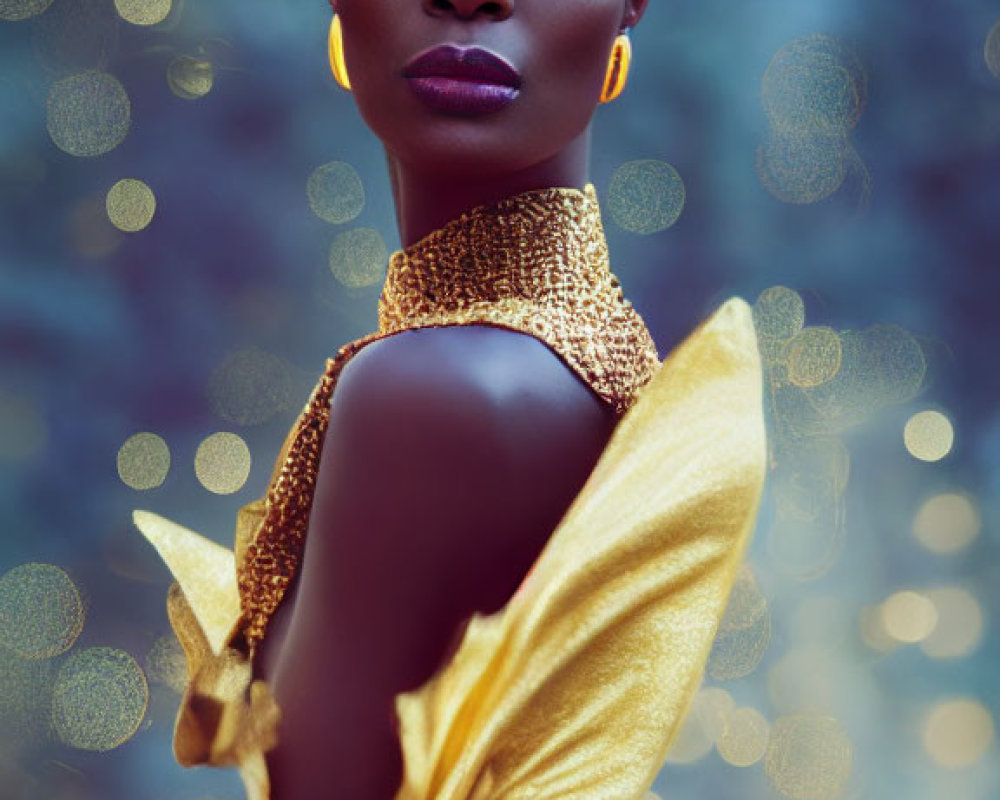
(440, 482)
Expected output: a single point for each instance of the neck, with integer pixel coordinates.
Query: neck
(426, 201)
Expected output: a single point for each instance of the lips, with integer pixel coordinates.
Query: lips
(473, 64)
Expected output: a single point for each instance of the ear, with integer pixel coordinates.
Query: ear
(634, 9)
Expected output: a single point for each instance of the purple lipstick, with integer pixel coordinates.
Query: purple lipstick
(464, 81)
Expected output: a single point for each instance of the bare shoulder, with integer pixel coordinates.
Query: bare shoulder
(508, 376)
(451, 456)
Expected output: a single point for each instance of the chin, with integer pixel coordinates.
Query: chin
(462, 155)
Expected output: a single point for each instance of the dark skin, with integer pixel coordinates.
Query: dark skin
(452, 453)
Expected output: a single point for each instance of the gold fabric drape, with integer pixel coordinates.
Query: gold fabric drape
(577, 687)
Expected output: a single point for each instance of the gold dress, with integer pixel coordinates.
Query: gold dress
(576, 688)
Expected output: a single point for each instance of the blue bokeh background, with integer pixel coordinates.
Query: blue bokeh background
(102, 348)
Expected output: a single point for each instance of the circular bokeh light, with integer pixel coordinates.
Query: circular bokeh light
(947, 523)
(908, 616)
(223, 463)
(359, 258)
(16, 10)
(929, 435)
(251, 386)
(801, 168)
(88, 114)
(779, 312)
(814, 84)
(143, 12)
(646, 196)
(41, 611)
(960, 623)
(130, 205)
(744, 739)
(190, 78)
(808, 756)
(957, 733)
(99, 699)
(991, 50)
(813, 356)
(166, 664)
(336, 193)
(144, 461)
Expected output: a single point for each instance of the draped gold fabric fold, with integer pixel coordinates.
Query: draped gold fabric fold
(577, 687)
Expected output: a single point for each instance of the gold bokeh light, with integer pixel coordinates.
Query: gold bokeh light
(88, 114)
(166, 664)
(929, 435)
(960, 623)
(814, 84)
(131, 205)
(779, 312)
(958, 732)
(16, 10)
(991, 50)
(813, 356)
(646, 196)
(41, 611)
(250, 387)
(744, 739)
(144, 461)
(359, 258)
(801, 168)
(336, 193)
(908, 616)
(144, 12)
(808, 756)
(703, 725)
(99, 699)
(947, 523)
(737, 652)
(190, 78)
(222, 463)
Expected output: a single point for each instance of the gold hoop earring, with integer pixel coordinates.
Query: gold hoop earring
(336, 48)
(618, 64)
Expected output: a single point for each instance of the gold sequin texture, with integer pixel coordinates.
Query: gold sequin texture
(537, 263)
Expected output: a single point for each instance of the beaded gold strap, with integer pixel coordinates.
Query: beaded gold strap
(536, 263)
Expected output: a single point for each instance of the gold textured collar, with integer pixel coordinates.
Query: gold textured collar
(535, 262)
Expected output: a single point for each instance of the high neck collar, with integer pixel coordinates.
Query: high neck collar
(527, 246)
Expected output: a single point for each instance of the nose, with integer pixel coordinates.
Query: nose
(496, 10)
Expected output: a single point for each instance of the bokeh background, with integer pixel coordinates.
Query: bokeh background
(193, 217)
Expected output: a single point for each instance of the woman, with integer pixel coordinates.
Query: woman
(499, 584)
